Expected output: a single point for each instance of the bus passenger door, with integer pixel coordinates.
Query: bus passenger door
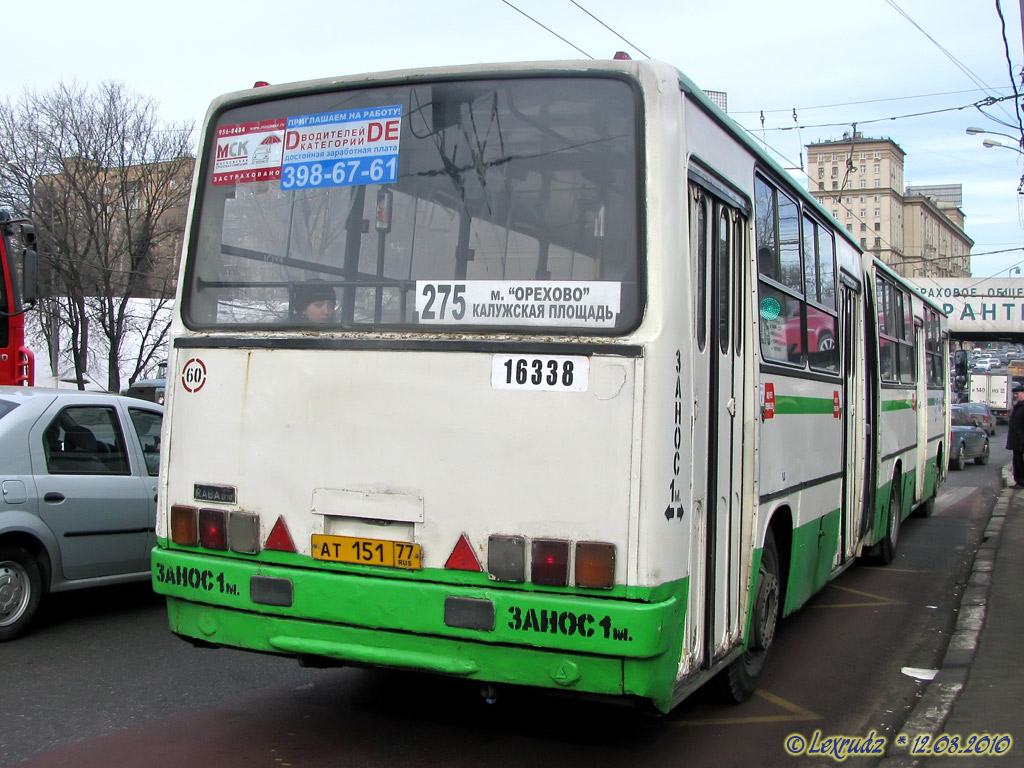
(852, 478)
(921, 404)
(725, 444)
(713, 625)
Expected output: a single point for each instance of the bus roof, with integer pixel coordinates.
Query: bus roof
(633, 68)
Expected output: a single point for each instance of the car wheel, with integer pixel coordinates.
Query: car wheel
(983, 459)
(826, 342)
(738, 681)
(21, 588)
(957, 461)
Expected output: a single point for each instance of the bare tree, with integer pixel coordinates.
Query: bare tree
(107, 186)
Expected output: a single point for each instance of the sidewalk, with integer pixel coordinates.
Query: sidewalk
(979, 689)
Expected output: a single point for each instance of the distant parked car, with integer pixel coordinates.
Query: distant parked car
(983, 416)
(150, 389)
(821, 332)
(966, 440)
(78, 474)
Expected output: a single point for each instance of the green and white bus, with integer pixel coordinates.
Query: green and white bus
(598, 396)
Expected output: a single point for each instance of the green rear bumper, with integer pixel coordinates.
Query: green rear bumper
(580, 642)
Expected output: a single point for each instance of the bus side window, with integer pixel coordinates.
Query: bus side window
(766, 262)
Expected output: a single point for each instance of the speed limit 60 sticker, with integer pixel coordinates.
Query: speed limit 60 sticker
(193, 375)
(542, 373)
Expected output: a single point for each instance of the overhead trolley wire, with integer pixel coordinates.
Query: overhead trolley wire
(627, 42)
(856, 103)
(987, 101)
(1009, 66)
(542, 26)
(959, 64)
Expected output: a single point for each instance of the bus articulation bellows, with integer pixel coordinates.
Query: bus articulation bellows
(540, 374)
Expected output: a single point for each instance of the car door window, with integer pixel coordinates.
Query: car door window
(147, 426)
(85, 440)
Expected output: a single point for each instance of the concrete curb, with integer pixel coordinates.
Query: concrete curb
(932, 710)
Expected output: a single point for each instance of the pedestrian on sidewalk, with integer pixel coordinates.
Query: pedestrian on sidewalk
(1015, 436)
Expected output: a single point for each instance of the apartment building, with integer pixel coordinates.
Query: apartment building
(113, 229)
(918, 231)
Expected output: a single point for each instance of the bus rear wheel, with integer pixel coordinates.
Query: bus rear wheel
(737, 682)
(886, 548)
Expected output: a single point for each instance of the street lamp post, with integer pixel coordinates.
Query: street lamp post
(975, 131)
(1018, 141)
(989, 143)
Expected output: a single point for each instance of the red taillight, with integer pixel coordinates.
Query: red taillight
(213, 530)
(260, 84)
(549, 562)
(621, 56)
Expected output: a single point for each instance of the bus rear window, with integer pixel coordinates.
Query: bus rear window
(507, 204)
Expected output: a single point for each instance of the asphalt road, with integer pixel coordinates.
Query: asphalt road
(100, 681)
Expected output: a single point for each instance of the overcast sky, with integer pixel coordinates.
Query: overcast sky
(835, 63)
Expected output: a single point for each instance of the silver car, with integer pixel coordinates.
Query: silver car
(982, 416)
(966, 439)
(78, 478)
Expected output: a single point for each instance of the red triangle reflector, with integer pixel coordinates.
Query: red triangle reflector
(279, 538)
(462, 557)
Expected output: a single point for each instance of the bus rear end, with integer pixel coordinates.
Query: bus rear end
(405, 386)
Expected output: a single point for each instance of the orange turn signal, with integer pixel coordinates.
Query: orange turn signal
(184, 526)
(595, 565)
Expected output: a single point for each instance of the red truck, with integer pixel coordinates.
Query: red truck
(17, 293)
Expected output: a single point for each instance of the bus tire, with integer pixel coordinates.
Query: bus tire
(21, 587)
(927, 509)
(737, 682)
(886, 548)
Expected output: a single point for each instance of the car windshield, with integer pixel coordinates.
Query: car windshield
(506, 204)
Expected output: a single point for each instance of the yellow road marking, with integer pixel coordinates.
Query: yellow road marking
(874, 599)
(891, 570)
(795, 714)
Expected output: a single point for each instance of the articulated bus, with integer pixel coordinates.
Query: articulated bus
(593, 394)
(17, 292)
